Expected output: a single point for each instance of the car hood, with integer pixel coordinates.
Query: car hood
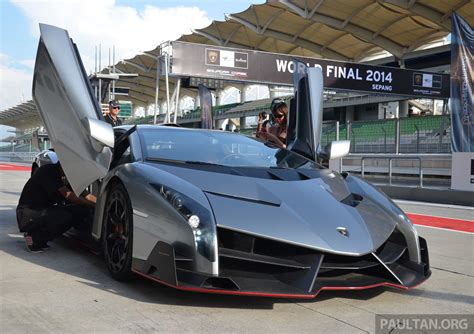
(308, 212)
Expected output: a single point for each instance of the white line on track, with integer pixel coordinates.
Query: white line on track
(452, 206)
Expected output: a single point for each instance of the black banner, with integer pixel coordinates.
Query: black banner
(198, 60)
(462, 116)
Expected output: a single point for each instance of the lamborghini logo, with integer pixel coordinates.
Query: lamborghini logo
(418, 78)
(212, 56)
(343, 231)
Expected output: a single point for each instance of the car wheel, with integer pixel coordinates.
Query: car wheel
(117, 234)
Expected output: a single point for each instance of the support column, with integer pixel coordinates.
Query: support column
(197, 101)
(382, 114)
(218, 95)
(220, 124)
(244, 98)
(350, 110)
(273, 91)
(244, 93)
(243, 122)
(403, 109)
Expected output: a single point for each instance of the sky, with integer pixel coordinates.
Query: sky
(132, 26)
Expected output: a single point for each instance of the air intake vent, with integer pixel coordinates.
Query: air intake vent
(352, 200)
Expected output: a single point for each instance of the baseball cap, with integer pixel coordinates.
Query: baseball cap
(113, 104)
(53, 157)
(277, 102)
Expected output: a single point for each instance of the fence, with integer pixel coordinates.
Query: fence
(424, 134)
(427, 134)
(26, 157)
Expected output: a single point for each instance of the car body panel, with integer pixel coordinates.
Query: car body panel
(63, 97)
(270, 208)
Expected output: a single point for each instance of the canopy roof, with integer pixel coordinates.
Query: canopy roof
(337, 29)
(346, 30)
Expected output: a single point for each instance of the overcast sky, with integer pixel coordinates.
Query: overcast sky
(132, 26)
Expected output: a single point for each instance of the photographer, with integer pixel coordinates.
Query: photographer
(277, 132)
(41, 212)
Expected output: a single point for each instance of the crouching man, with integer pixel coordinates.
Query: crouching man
(41, 212)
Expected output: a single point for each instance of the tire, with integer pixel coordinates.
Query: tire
(117, 233)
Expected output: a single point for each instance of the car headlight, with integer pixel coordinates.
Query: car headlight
(197, 216)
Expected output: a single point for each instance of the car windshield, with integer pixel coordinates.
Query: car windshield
(216, 148)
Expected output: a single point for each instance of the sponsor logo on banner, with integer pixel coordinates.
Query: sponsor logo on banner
(226, 58)
(427, 80)
(212, 57)
(417, 79)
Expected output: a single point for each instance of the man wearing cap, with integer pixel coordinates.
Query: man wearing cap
(112, 117)
(41, 214)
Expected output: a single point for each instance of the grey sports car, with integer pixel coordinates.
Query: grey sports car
(218, 212)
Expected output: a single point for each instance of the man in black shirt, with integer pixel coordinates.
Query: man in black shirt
(41, 214)
(112, 117)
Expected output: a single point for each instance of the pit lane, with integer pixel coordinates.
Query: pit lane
(68, 289)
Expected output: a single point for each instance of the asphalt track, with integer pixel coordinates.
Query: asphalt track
(68, 289)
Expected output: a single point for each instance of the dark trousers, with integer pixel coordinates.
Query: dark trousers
(48, 224)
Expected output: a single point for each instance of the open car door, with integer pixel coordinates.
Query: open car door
(70, 112)
(306, 112)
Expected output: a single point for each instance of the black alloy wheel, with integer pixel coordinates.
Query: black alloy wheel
(117, 234)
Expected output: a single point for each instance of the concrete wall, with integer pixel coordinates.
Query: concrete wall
(366, 112)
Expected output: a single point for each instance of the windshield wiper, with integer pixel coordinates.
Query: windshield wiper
(165, 160)
(190, 162)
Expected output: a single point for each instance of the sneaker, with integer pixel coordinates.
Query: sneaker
(30, 245)
(34, 249)
(44, 245)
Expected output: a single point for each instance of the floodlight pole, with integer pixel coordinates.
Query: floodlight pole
(157, 87)
(95, 71)
(110, 95)
(113, 71)
(167, 119)
(178, 85)
(100, 81)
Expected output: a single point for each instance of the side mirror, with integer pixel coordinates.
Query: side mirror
(336, 149)
(101, 132)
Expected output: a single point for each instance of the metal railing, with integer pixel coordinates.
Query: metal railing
(26, 157)
(390, 157)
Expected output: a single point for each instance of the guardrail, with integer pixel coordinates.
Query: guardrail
(18, 156)
(420, 158)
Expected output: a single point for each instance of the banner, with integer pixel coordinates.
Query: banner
(206, 107)
(206, 61)
(462, 118)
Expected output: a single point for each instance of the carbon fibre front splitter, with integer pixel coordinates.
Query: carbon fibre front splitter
(280, 295)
